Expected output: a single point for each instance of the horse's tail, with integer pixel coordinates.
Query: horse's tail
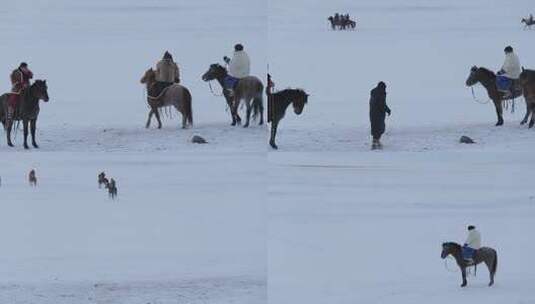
(258, 106)
(495, 264)
(188, 111)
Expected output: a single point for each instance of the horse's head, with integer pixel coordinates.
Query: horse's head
(215, 71)
(40, 90)
(149, 77)
(299, 99)
(473, 77)
(449, 248)
(524, 20)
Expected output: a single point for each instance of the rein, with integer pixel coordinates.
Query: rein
(449, 257)
(476, 99)
(212, 90)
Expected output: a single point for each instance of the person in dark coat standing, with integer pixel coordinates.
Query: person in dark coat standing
(378, 111)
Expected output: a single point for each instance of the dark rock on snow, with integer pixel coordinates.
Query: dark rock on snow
(466, 140)
(196, 139)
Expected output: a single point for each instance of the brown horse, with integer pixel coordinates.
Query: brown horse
(26, 110)
(249, 89)
(175, 95)
(527, 80)
(488, 79)
(485, 255)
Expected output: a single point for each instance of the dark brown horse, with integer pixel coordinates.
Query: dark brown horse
(527, 80)
(488, 79)
(249, 89)
(485, 255)
(27, 111)
(278, 103)
(176, 96)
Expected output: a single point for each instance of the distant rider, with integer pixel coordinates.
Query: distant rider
(20, 81)
(509, 73)
(167, 73)
(239, 67)
(472, 243)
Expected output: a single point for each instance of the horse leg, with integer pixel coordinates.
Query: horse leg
(9, 127)
(491, 273)
(231, 108)
(33, 128)
(235, 107)
(532, 112)
(150, 117)
(463, 272)
(527, 113)
(157, 114)
(248, 118)
(25, 123)
(272, 143)
(499, 112)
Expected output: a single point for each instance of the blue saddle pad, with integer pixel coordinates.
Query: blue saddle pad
(230, 82)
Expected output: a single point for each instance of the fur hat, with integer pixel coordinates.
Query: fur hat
(167, 55)
(508, 49)
(471, 227)
(238, 47)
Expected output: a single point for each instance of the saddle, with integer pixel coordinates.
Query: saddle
(155, 93)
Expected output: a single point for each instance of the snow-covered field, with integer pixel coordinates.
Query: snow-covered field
(422, 49)
(323, 220)
(184, 229)
(368, 228)
(351, 226)
(94, 53)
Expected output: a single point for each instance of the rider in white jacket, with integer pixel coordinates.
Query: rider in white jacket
(239, 65)
(511, 66)
(474, 238)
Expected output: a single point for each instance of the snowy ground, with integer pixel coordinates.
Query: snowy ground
(343, 225)
(368, 228)
(94, 53)
(183, 227)
(423, 50)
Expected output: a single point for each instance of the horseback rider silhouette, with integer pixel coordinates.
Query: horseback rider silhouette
(238, 67)
(509, 73)
(167, 73)
(20, 81)
(472, 244)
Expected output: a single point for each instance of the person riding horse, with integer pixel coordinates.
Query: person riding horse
(472, 244)
(20, 81)
(509, 73)
(167, 73)
(239, 67)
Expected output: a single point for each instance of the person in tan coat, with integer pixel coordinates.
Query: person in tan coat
(167, 73)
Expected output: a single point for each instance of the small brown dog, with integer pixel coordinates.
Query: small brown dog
(32, 178)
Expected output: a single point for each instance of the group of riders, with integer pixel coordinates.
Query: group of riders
(343, 21)
(168, 72)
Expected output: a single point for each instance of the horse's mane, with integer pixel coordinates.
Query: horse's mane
(487, 71)
(292, 92)
(452, 244)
